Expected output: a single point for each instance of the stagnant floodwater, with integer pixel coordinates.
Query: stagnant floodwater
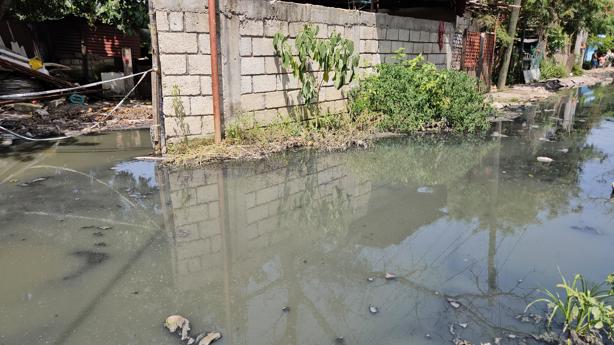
(98, 248)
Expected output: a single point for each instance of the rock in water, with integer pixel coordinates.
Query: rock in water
(545, 159)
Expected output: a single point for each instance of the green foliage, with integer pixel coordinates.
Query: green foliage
(550, 69)
(333, 55)
(584, 308)
(577, 70)
(557, 39)
(413, 95)
(602, 43)
(126, 15)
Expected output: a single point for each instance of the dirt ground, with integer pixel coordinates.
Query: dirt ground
(523, 94)
(46, 120)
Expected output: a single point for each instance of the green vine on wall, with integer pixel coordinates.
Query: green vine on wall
(334, 57)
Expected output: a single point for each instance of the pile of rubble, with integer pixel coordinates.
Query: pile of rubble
(61, 117)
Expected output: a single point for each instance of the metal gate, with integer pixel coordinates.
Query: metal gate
(473, 52)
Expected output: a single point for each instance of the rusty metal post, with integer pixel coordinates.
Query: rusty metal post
(215, 77)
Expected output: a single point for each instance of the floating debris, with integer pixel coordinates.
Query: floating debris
(463, 325)
(371, 279)
(427, 336)
(373, 309)
(390, 276)
(427, 190)
(285, 309)
(451, 329)
(545, 159)
(209, 338)
(454, 303)
(175, 322)
(586, 228)
(461, 342)
(98, 234)
(497, 341)
(512, 336)
(564, 150)
(339, 340)
(104, 227)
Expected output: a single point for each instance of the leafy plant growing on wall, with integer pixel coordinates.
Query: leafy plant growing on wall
(334, 57)
(180, 112)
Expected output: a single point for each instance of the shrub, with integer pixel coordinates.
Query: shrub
(413, 95)
(550, 69)
(584, 308)
(577, 70)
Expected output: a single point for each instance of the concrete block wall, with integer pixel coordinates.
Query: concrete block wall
(185, 62)
(253, 81)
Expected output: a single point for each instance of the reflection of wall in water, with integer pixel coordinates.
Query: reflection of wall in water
(262, 215)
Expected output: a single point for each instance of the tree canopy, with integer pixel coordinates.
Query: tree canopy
(126, 15)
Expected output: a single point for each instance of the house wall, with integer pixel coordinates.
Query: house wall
(253, 82)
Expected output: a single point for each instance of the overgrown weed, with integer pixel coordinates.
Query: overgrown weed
(247, 139)
(584, 310)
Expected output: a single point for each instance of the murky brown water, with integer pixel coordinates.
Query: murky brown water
(105, 247)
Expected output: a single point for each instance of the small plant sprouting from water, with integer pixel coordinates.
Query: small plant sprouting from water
(180, 112)
(585, 309)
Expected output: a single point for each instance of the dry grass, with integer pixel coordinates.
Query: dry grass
(247, 140)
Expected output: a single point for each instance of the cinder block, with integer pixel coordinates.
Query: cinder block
(434, 37)
(385, 46)
(414, 36)
(252, 101)
(403, 35)
(392, 34)
(196, 22)
(175, 127)
(172, 64)
(162, 21)
(262, 47)
(207, 125)
(175, 21)
(245, 48)
(424, 36)
(199, 64)
(295, 28)
(252, 65)
(204, 44)
(272, 27)
(189, 85)
(205, 85)
(177, 42)
(168, 107)
(252, 28)
(275, 99)
(369, 46)
(201, 105)
(272, 65)
(246, 84)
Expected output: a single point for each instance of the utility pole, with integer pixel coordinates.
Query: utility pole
(508, 52)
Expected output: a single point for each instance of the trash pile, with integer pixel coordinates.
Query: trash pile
(64, 117)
